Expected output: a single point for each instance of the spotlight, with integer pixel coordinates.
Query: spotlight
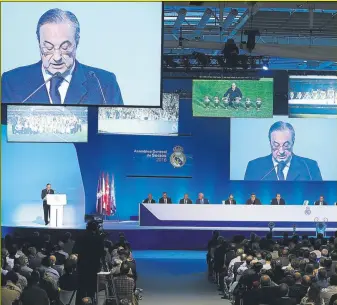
(265, 64)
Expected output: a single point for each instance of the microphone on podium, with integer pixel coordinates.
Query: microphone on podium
(268, 173)
(57, 74)
(93, 74)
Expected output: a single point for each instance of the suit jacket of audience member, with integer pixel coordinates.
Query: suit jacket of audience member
(188, 201)
(255, 202)
(228, 201)
(205, 201)
(147, 200)
(318, 202)
(169, 200)
(274, 202)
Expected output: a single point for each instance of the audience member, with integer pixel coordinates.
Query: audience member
(328, 292)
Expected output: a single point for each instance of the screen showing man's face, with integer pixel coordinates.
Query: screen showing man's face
(252, 197)
(281, 145)
(164, 195)
(58, 47)
(48, 187)
(278, 196)
(201, 196)
(186, 196)
(150, 196)
(231, 197)
(321, 198)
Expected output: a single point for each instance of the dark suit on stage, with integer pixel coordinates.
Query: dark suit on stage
(228, 201)
(46, 207)
(318, 202)
(147, 200)
(188, 201)
(168, 200)
(255, 202)
(205, 201)
(19, 83)
(301, 169)
(274, 202)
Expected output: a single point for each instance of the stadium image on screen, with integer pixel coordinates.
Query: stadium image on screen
(312, 96)
(233, 98)
(47, 124)
(141, 121)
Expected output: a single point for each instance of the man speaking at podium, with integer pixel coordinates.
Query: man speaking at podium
(46, 208)
(282, 164)
(58, 78)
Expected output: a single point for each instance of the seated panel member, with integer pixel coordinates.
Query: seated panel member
(282, 164)
(165, 199)
(67, 81)
(278, 200)
(201, 199)
(149, 199)
(230, 200)
(321, 201)
(185, 200)
(253, 200)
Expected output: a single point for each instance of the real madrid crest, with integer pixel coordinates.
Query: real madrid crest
(178, 158)
(307, 211)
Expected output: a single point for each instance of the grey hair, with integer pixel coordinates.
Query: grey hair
(282, 126)
(57, 15)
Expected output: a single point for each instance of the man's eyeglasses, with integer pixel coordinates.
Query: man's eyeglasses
(285, 146)
(51, 50)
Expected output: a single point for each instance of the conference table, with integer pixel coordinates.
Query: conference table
(234, 216)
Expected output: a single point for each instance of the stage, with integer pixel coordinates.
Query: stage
(162, 237)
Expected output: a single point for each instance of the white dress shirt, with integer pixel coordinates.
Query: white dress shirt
(63, 87)
(285, 170)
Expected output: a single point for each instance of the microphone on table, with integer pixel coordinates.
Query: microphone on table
(93, 74)
(57, 74)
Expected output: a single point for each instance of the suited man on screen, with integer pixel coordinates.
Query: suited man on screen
(278, 200)
(58, 35)
(46, 208)
(282, 164)
(230, 200)
(149, 199)
(185, 200)
(165, 199)
(253, 200)
(321, 201)
(201, 199)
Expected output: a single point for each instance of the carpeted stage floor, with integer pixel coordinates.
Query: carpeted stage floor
(175, 278)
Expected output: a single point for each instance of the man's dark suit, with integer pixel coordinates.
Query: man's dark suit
(301, 169)
(147, 200)
(205, 201)
(188, 201)
(255, 202)
(19, 83)
(318, 202)
(274, 202)
(161, 200)
(46, 207)
(228, 201)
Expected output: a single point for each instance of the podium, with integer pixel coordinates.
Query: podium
(56, 203)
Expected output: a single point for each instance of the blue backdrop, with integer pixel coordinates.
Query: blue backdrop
(206, 141)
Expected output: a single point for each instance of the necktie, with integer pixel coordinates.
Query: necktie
(280, 167)
(55, 95)
(165, 201)
(278, 202)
